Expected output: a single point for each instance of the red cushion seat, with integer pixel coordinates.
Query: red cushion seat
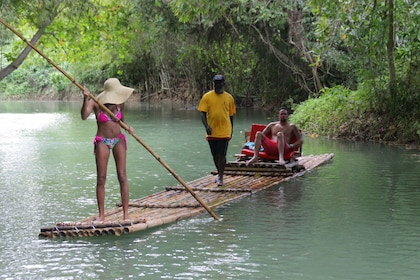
(262, 155)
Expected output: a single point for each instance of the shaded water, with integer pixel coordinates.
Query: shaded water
(354, 218)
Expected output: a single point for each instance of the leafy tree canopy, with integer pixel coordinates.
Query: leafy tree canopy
(272, 53)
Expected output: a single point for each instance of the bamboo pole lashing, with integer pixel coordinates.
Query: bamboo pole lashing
(218, 189)
(85, 233)
(97, 224)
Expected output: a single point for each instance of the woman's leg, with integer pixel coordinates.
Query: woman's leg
(102, 156)
(120, 156)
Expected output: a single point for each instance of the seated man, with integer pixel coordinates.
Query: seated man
(280, 144)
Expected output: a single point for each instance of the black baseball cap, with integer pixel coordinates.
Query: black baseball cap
(218, 78)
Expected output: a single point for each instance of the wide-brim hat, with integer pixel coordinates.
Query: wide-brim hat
(114, 92)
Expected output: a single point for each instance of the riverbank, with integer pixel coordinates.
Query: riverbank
(365, 128)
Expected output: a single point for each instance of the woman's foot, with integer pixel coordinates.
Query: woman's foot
(98, 220)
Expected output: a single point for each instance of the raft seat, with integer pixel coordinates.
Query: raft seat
(250, 137)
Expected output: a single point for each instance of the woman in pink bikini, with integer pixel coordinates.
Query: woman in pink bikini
(109, 137)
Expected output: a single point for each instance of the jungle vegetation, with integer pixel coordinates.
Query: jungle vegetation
(346, 68)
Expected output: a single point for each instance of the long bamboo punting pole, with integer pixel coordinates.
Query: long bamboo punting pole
(122, 124)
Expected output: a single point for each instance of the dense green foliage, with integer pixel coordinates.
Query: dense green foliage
(341, 113)
(348, 68)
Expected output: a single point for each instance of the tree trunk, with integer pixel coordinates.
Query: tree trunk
(298, 73)
(296, 38)
(390, 52)
(22, 56)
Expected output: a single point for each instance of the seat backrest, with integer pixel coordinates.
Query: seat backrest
(254, 128)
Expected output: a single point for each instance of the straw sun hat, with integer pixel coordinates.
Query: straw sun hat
(114, 92)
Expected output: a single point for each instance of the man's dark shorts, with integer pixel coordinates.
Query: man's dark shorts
(218, 146)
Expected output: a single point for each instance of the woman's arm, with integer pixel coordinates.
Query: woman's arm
(130, 129)
(88, 105)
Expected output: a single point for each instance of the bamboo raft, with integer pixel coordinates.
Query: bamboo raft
(175, 203)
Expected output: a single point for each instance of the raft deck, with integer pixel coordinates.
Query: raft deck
(175, 203)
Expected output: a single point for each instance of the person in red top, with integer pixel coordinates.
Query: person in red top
(285, 138)
(217, 108)
(109, 138)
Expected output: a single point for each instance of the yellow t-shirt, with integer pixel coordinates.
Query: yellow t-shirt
(219, 109)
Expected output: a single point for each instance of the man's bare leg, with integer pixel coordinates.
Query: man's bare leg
(258, 139)
(280, 143)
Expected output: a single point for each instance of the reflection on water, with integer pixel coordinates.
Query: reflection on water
(354, 218)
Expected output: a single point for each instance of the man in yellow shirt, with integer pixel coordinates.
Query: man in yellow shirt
(217, 108)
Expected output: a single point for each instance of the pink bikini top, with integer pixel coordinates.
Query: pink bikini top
(103, 118)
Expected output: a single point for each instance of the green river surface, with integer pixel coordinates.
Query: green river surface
(357, 217)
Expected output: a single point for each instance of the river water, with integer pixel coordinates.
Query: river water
(358, 217)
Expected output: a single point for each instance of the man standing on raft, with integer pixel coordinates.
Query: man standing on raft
(285, 139)
(217, 108)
